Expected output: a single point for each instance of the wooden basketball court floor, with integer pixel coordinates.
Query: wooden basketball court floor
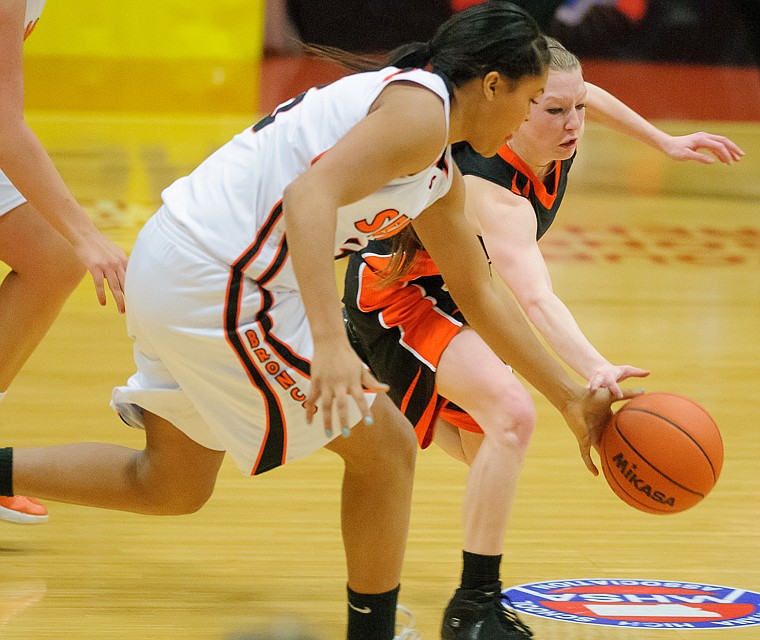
(659, 262)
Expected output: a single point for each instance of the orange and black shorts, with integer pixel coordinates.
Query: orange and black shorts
(401, 331)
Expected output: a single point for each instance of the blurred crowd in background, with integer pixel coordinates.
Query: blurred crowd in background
(712, 32)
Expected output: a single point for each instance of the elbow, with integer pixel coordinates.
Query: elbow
(305, 193)
(12, 123)
(534, 309)
(290, 195)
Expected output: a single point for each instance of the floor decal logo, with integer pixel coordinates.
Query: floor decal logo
(646, 604)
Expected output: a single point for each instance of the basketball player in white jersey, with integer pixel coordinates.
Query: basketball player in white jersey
(236, 318)
(45, 237)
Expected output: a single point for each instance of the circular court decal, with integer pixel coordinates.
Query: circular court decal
(645, 604)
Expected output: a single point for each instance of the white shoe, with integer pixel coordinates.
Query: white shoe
(406, 631)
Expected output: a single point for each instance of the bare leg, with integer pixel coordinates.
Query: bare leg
(472, 376)
(45, 271)
(377, 494)
(172, 475)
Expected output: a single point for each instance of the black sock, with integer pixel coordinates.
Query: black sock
(6, 471)
(480, 571)
(372, 616)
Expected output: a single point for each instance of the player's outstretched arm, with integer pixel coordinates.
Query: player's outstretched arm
(498, 320)
(507, 224)
(607, 110)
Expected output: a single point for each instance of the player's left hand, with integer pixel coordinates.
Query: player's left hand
(608, 377)
(685, 148)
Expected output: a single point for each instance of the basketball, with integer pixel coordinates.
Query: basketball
(661, 453)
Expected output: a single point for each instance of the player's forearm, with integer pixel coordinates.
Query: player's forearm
(499, 321)
(559, 328)
(605, 109)
(311, 239)
(28, 166)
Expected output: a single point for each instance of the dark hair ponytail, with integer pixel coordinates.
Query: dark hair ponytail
(491, 36)
(414, 54)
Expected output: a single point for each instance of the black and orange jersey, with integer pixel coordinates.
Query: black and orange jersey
(508, 170)
(402, 330)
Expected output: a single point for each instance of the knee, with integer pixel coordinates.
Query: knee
(176, 503)
(174, 498)
(59, 266)
(187, 503)
(70, 271)
(388, 456)
(515, 417)
(401, 451)
(394, 460)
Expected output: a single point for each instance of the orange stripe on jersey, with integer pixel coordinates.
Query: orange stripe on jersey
(392, 229)
(539, 188)
(395, 73)
(30, 27)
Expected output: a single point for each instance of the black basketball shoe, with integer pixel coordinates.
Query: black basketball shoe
(481, 615)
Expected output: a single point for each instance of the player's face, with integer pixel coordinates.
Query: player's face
(509, 109)
(557, 119)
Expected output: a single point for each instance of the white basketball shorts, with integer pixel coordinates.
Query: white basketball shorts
(224, 360)
(10, 198)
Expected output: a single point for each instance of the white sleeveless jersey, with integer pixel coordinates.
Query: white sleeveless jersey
(230, 206)
(33, 12)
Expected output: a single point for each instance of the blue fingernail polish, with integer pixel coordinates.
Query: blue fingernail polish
(368, 420)
(328, 432)
(346, 432)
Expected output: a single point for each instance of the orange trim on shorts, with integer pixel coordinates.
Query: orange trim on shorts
(424, 330)
(268, 451)
(460, 419)
(425, 427)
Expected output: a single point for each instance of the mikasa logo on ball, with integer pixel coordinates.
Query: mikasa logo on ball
(621, 464)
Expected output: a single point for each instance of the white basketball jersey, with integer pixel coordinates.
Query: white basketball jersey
(230, 205)
(33, 12)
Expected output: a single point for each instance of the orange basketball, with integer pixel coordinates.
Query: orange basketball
(661, 453)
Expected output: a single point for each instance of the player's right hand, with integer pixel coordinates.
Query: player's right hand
(588, 414)
(689, 147)
(107, 263)
(338, 377)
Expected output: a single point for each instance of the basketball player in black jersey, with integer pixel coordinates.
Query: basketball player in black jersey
(453, 389)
